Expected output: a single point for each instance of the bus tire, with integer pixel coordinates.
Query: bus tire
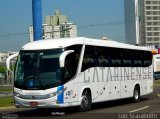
(136, 94)
(85, 102)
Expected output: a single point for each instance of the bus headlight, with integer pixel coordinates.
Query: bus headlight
(17, 94)
(56, 93)
(52, 94)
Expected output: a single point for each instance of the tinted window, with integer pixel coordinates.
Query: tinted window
(137, 58)
(103, 56)
(116, 57)
(147, 59)
(89, 59)
(97, 56)
(71, 62)
(127, 58)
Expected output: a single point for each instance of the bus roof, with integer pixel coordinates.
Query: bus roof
(65, 42)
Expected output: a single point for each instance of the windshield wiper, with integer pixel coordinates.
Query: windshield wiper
(34, 77)
(26, 80)
(40, 82)
(29, 77)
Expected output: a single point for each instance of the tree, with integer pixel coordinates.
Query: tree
(2, 69)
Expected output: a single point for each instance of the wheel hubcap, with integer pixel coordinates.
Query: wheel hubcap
(84, 101)
(136, 95)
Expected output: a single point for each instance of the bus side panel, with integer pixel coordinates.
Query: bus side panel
(104, 82)
(150, 80)
(127, 88)
(85, 80)
(149, 86)
(68, 93)
(104, 91)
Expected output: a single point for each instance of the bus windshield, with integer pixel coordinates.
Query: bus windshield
(38, 70)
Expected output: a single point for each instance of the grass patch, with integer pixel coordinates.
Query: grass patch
(6, 101)
(5, 89)
(157, 83)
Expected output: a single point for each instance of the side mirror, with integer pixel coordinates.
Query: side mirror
(8, 62)
(63, 57)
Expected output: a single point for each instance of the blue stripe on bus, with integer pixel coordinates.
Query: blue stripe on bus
(61, 95)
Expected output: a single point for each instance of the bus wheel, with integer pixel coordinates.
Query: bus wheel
(136, 94)
(85, 102)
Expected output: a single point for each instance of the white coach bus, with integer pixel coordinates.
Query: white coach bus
(80, 71)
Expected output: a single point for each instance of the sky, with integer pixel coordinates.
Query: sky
(94, 18)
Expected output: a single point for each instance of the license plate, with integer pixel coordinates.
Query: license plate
(33, 104)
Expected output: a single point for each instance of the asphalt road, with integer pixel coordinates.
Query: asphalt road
(147, 108)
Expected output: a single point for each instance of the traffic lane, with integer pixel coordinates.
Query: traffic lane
(117, 106)
(34, 114)
(153, 104)
(148, 104)
(110, 109)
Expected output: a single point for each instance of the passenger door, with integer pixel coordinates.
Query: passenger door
(71, 67)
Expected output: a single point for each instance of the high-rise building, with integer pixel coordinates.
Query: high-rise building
(68, 30)
(152, 21)
(56, 19)
(56, 26)
(142, 22)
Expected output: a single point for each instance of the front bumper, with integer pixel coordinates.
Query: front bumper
(43, 103)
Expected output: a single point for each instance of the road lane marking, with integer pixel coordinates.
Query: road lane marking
(158, 95)
(139, 109)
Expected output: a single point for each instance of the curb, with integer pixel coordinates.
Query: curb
(6, 108)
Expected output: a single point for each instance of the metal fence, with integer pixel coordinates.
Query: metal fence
(5, 81)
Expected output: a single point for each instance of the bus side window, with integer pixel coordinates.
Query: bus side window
(126, 58)
(147, 59)
(137, 62)
(89, 58)
(70, 66)
(116, 57)
(103, 56)
(103, 61)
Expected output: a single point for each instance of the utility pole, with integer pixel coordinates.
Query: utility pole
(137, 21)
(37, 19)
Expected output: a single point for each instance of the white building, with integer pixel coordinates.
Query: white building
(56, 32)
(56, 26)
(3, 56)
(68, 30)
(56, 19)
(47, 31)
(152, 22)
